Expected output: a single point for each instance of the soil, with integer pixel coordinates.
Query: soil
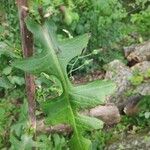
(79, 79)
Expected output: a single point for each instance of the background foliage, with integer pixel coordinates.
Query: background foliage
(112, 25)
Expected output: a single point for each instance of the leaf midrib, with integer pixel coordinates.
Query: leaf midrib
(64, 80)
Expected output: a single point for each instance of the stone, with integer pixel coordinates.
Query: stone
(120, 74)
(141, 67)
(133, 142)
(143, 89)
(138, 53)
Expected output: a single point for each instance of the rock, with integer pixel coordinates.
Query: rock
(143, 89)
(135, 142)
(120, 74)
(130, 107)
(108, 113)
(138, 53)
(128, 50)
(141, 67)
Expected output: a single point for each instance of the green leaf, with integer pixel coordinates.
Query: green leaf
(64, 51)
(91, 94)
(59, 142)
(2, 113)
(5, 83)
(78, 142)
(45, 61)
(45, 34)
(72, 48)
(26, 143)
(57, 111)
(16, 80)
(36, 65)
(5, 50)
(89, 123)
(147, 115)
(7, 70)
(53, 60)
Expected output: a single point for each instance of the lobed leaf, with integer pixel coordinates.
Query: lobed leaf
(91, 94)
(53, 61)
(36, 65)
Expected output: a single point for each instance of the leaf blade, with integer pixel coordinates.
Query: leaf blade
(91, 94)
(57, 111)
(89, 123)
(72, 48)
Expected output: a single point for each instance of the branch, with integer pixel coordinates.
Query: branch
(27, 47)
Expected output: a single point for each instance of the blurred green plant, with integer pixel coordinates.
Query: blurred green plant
(136, 80)
(102, 19)
(139, 77)
(141, 24)
(9, 77)
(108, 21)
(21, 136)
(53, 60)
(9, 28)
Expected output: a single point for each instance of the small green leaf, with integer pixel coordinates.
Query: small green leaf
(7, 70)
(26, 143)
(16, 80)
(136, 80)
(5, 83)
(5, 50)
(147, 115)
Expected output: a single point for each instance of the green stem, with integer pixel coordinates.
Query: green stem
(77, 68)
(73, 66)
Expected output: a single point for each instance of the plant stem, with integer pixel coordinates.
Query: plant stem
(27, 47)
